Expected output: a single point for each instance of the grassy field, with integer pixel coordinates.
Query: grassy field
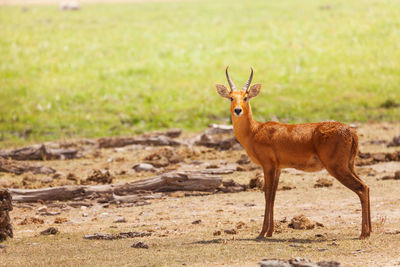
(127, 68)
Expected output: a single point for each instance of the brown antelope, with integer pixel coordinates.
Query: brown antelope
(307, 147)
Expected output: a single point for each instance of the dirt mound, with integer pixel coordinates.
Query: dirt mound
(99, 177)
(31, 220)
(301, 222)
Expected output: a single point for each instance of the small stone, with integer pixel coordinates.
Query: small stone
(3, 246)
(196, 222)
(244, 159)
(216, 233)
(323, 182)
(60, 220)
(42, 209)
(144, 167)
(140, 245)
(85, 214)
(230, 232)
(50, 231)
(397, 175)
(120, 220)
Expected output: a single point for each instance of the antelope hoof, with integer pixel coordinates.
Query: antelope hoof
(260, 236)
(364, 236)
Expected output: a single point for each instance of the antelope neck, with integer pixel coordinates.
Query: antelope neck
(244, 126)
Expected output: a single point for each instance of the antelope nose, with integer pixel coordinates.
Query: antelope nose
(238, 111)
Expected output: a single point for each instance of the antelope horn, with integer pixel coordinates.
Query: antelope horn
(246, 86)
(231, 84)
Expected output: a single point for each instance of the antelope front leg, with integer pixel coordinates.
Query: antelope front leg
(269, 193)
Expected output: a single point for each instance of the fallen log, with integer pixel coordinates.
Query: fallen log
(5, 223)
(54, 193)
(174, 181)
(161, 140)
(20, 168)
(39, 152)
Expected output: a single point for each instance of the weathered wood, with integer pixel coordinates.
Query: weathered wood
(39, 152)
(5, 222)
(174, 181)
(53, 193)
(19, 167)
(161, 140)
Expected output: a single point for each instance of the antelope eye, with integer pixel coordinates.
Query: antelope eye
(245, 99)
(231, 99)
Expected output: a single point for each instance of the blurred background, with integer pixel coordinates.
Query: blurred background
(107, 68)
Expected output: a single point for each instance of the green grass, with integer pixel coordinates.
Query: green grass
(127, 68)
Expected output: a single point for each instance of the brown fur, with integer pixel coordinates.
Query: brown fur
(307, 147)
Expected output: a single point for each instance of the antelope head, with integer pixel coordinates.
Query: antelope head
(239, 99)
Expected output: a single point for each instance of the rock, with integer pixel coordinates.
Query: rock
(395, 141)
(103, 236)
(60, 220)
(230, 232)
(397, 175)
(323, 182)
(297, 262)
(50, 231)
(301, 222)
(217, 233)
(244, 159)
(3, 246)
(120, 220)
(49, 213)
(329, 264)
(144, 167)
(42, 209)
(140, 245)
(196, 222)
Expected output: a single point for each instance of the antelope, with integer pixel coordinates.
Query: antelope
(307, 147)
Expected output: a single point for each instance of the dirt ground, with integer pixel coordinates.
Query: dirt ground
(207, 229)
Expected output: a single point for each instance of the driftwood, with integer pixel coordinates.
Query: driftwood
(39, 152)
(5, 207)
(174, 181)
(19, 168)
(161, 140)
(172, 133)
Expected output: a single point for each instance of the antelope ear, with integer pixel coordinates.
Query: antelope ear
(254, 90)
(222, 90)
